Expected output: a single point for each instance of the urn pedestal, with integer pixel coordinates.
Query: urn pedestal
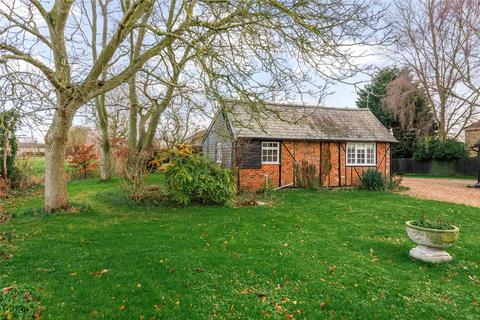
(431, 243)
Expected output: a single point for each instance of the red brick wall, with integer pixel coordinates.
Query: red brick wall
(314, 152)
(254, 179)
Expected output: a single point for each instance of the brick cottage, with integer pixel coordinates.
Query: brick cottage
(338, 143)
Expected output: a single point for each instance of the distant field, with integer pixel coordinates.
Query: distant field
(38, 165)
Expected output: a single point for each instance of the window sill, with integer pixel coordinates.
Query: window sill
(361, 165)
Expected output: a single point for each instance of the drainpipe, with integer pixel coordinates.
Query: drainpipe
(477, 185)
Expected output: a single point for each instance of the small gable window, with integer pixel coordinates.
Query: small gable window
(270, 152)
(361, 154)
(219, 152)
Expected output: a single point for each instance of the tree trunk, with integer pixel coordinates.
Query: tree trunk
(442, 130)
(105, 160)
(55, 148)
(133, 122)
(5, 153)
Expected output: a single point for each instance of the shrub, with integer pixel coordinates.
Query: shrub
(438, 223)
(135, 175)
(3, 188)
(21, 177)
(394, 183)
(306, 175)
(266, 187)
(435, 149)
(373, 180)
(193, 178)
(448, 150)
(83, 159)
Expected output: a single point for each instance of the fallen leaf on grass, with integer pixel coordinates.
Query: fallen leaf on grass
(474, 279)
(72, 274)
(123, 308)
(199, 270)
(262, 296)
(99, 273)
(7, 289)
(332, 268)
(172, 270)
(372, 256)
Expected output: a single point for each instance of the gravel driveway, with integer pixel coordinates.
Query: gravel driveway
(450, 190)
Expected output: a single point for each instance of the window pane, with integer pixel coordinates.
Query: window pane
(270, 152)
(350, 153)
(361, 156)
(370, 156)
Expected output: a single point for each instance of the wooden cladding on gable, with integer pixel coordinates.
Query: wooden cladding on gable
(249, 154)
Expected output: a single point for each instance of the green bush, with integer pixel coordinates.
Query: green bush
(438, 223)
(22, 173)
(435, 149)
(373, 180)
(393, 183)
(193, 178)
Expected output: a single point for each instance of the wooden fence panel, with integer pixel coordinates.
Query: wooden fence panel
(465, 167)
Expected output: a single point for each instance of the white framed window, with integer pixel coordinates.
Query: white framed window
(270, 152)
(218, 152)
(361, 154)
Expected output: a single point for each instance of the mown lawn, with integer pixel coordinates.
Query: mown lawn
(38, 165)
(309, 255)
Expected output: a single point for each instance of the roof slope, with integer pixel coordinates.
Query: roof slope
(473, 126)
(196, 139)
(299, 122)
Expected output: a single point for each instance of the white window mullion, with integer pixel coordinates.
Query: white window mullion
(270, 152)
(361, 154)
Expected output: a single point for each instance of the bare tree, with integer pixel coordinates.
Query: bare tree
(100, 105)
(436, 40)
(182, 118)
(407, 102)
(23, 40)
(252, 50)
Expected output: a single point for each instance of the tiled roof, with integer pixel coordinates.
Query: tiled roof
(473, 126)
(196, 139)
(300, 122)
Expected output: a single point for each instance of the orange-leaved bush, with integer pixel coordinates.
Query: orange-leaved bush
(83, 159)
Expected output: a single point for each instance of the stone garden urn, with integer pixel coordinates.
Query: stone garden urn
(431, 243)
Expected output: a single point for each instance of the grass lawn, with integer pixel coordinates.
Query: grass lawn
(38, 165)
(313, 255)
